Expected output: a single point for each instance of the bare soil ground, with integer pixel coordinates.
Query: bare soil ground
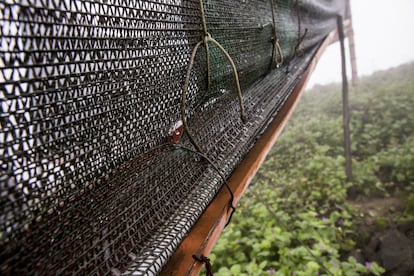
(383, 237)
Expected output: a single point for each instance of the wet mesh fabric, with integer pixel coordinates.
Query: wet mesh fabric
(89, 93)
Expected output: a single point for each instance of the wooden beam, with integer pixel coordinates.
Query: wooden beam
(349, 31)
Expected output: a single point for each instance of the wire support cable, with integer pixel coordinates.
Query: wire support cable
(219, 173)
(205, 40)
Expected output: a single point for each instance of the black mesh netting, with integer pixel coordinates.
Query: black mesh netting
(89, 93)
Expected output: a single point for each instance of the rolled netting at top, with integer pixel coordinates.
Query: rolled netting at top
(90, 91)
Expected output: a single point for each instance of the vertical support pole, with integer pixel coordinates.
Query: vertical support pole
(345, 110)
(351, 44)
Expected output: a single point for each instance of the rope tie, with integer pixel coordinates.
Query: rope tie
(296, 50)
(205, 41)
(277, 54)
(203, 259)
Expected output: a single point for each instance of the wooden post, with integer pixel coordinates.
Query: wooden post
(345, 110)
(351, 44)
(354, 71)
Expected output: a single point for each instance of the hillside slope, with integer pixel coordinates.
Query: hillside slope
(296, 219)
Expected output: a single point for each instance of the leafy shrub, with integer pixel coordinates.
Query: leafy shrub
(396, 165)
(295, 218)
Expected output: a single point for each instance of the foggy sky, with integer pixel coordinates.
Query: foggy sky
(384, 38)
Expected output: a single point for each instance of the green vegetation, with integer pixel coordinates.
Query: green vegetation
(295, 218)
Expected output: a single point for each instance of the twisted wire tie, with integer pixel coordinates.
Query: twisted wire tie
(206, 34)
(277, 54)
(203, 259)
(301, 37)
(297, 50)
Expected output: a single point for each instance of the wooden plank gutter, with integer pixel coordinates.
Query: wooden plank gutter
(206, 231)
